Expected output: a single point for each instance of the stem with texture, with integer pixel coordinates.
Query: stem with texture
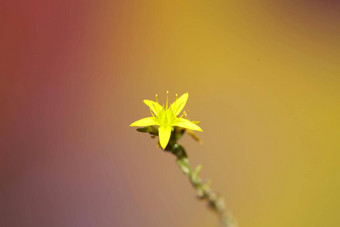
(204, 192)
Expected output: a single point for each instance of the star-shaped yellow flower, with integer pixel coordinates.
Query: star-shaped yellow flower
(166, 118)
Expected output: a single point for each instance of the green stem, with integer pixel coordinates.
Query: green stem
(204, 192)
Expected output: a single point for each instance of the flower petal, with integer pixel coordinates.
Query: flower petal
(154, 106)
(145, 122)
(184, 123)
(179, 104)
(164, 134)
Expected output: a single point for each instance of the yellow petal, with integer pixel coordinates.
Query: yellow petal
(184, 123)
(145, 122)
(154, 106)
(179, 104)
(164, 134)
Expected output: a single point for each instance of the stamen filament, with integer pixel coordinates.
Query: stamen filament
(155, 109)
(152, 113)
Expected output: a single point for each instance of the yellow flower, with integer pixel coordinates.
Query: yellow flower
(166, 118)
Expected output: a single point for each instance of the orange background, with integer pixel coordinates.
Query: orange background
(262, 77)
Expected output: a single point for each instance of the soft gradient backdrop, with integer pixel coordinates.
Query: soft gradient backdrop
(263, 79)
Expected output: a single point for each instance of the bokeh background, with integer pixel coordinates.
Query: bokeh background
(262, 77)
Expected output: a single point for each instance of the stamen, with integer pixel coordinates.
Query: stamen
(167, 99)
(174, 102)
(184, 114)
(152, 113)
(155, 109)
(157, 98)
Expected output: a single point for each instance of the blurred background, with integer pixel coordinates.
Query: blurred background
(262, 77)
